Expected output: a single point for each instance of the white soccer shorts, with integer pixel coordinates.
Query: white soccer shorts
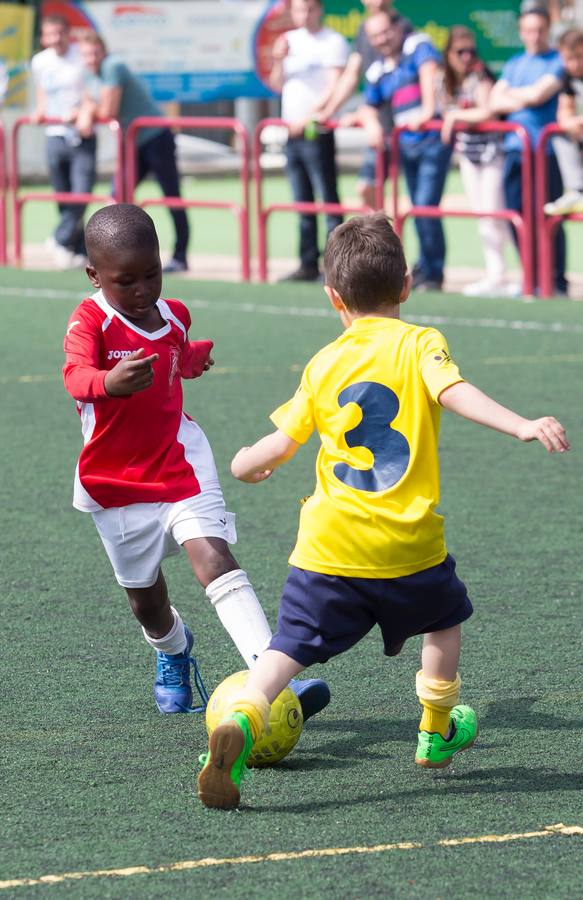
(139, 536)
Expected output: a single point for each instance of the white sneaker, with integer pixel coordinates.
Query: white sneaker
(79, 261)
(490, 288)
(62, 256)
(571, 202)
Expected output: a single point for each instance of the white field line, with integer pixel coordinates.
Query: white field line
(211, 862)
(318, 312)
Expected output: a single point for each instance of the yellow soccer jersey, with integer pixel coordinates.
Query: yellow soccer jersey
(372, 396)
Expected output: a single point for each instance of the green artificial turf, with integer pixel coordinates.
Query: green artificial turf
(94, 778)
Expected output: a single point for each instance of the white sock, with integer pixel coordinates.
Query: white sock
(172, 643)
(240, 613)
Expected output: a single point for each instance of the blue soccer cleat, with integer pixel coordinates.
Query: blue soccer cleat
(313, 694)
(172, 688)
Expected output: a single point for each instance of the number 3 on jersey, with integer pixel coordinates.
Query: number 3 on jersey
(390, 449)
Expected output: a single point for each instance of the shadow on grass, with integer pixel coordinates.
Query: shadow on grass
(518, 713)
(504, 779)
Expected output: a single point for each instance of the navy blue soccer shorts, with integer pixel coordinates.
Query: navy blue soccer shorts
(321, 616)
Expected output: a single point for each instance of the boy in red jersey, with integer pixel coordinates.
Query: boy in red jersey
(146, 472)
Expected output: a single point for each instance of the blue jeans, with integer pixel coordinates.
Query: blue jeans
(158, 156)
(426, 164)
(513, 200)
(311, 169)
(71, 170)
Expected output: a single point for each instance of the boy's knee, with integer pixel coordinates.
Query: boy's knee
(210, 560)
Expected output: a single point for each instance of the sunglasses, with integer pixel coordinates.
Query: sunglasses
(466, 51)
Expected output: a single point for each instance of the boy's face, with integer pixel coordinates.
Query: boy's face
(573, 60)
(131, 281)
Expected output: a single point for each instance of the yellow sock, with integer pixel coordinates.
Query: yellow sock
(255, 706)
(437, 699)
(435, 719)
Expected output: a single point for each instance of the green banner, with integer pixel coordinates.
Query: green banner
(495, 23)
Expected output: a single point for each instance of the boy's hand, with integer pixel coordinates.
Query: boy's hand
(196, 359)
(239, 466)
(548, 431)
(130, 375)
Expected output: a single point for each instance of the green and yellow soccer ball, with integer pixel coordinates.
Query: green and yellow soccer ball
(285, 720)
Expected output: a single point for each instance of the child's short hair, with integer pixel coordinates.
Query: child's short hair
(119, 227)
(571, 39)
(364, 262)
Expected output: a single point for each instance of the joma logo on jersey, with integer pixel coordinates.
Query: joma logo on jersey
(119, 354)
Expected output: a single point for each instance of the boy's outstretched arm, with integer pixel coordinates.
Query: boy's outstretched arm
(471, 403)
(256, 463)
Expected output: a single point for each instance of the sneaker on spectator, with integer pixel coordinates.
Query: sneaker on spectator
(487, 287)
(63, 257)
(304, 273)
(173, 266)
(571, 202)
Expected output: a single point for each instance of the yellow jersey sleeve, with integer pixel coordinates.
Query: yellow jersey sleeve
(436, 366)
(296, 417)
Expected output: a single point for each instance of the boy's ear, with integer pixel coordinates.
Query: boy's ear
(93, 276)
(406, 289)
(334, 298)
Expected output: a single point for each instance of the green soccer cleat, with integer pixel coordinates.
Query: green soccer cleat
(434, 752)
(225, 764)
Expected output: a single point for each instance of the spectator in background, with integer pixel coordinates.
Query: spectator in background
(308, 62)
(363, 55)
(464, 91)
(569, 149)
(406, 77)
(113, 92)
(59, 82)
(527, 93)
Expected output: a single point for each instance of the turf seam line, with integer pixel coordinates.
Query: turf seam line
(322, 312)
(187, 865)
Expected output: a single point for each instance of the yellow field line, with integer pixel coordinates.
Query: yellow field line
(212, 861)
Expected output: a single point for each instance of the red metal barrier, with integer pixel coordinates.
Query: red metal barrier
(523, 222)
(263, 212)
(241, 210)
(3, 198)
(546, 225)
(18, 200)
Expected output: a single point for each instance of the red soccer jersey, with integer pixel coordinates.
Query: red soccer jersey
(141, 448)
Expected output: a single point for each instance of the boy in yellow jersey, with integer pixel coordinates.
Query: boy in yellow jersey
(370, 548)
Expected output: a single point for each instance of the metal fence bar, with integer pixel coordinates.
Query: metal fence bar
(523, 222)
(19, 200)
(240, 210)
(545, 225)
(263, 212)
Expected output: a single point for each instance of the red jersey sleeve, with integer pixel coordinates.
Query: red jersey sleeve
(84, 380)
(194, 353)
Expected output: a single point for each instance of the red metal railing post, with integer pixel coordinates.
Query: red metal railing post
(19, 200)
(523, 222)
(240, 210)
(263, 213)
(261, 218)
(3, 197)
(546, 225)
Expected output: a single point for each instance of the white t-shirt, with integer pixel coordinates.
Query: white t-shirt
(305, 69)
(62, 79)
